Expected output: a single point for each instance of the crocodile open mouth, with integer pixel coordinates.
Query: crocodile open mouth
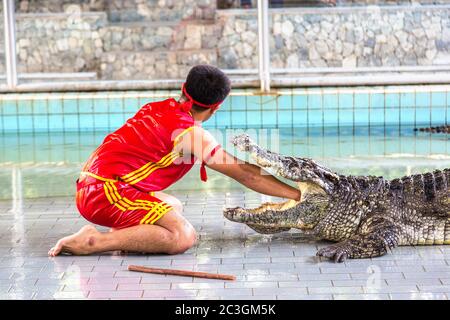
(272, 217)
(306, 189)
(273, 206)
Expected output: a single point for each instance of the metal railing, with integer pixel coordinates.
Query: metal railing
(10, 43)
(263, 45)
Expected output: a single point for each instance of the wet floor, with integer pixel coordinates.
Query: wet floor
(37, 174)
(281, 266)
(47, 164)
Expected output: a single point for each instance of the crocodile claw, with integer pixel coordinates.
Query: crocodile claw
(337, 252)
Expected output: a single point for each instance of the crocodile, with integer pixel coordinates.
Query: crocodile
(439, 129)
(366, 216)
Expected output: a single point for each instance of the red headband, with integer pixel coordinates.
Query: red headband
(188, 104)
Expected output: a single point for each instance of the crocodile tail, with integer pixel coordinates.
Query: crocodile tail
(439, 129)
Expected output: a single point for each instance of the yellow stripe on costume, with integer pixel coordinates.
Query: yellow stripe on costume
(144, 171)
(162, 210)
(157, 214)
(111, 197)
(93, 175)
(148, 215)
(146, 201)
(123, 203)
(144, 167)
(144, 174)
(107, 194)
(128, 204)
(111, 192)
(177, 138)
(150, 170)
(155, 209)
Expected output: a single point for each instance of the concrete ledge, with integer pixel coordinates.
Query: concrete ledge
(248, 81)
(58, 75)
(334, 10)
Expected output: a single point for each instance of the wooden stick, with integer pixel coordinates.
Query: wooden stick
(185, 273)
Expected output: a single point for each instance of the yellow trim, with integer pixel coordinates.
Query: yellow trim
(175, 141)
(144, 171)
(145, 201)
(123, 203)
(149, 171)
(133, 175)
(107, 194)
(162, 210)
(112, 197)
(143, 220)
(145, 166)
(111, 192)
(139, 174)
(93, 175)
(128, 201)
(155, 209)
(128, 204)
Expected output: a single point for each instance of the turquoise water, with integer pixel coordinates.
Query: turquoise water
(46, 137)
(47, 164)
(287, 108)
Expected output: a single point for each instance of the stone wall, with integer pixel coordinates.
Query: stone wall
(340, 37)
(59, 43)
(153, 65)
(300, 38)
(126, 10)
(160, 10)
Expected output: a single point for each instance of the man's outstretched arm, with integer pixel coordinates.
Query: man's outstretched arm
(200, 143)
(251, 176)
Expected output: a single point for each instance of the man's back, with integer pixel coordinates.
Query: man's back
(141, 152)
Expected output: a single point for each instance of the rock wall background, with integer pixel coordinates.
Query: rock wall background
(145, 48)
(340, 38)
(125, 10)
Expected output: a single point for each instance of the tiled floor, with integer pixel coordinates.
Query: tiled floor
(282, 266)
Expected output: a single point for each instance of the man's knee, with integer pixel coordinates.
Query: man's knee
(183, 240)
(176, 205)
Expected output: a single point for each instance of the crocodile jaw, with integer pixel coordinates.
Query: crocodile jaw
(283, 214)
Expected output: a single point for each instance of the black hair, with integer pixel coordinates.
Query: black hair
(207, 84)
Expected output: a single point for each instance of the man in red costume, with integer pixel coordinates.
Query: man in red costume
(121, 184)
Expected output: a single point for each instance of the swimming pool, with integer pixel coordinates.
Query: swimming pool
(45, 138)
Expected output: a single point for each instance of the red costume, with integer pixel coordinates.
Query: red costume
(116, 185)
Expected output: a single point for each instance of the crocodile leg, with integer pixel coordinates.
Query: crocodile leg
(293, 168)
(374, 240)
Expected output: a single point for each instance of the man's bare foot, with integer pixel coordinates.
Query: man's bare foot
(79, 243)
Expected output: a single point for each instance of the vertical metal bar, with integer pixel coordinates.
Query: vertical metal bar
(263, 45)
(10, 43)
